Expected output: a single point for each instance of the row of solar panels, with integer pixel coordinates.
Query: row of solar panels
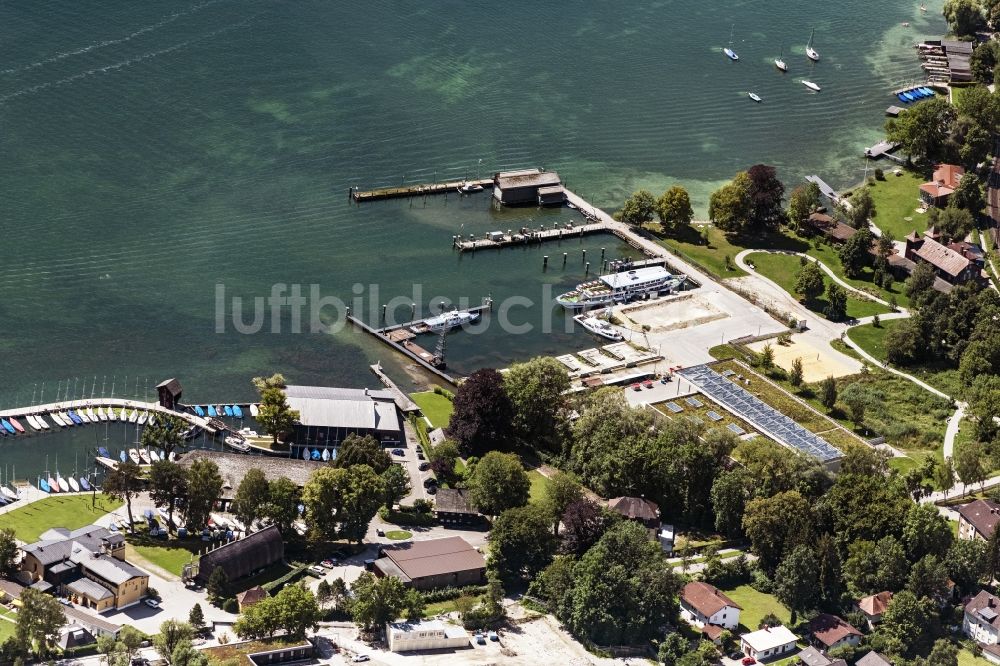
(758, 413)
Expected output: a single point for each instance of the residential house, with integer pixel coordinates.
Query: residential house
(810, 656)
(705, 607)
(248, 598)
(991, 653)
(981, 621)
(88, 565)
(74, 637)
(874, 606)
(873, 658)
(93, 623)
(646, 513)
(433, 563)
(10, 591)
(425, 635)
(949, 265)
(832, 228)
(454, 506)
(768, 643)
(978, 519)
(942, 184)
(831, 632)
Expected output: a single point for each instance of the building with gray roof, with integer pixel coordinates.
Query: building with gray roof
(328, 415)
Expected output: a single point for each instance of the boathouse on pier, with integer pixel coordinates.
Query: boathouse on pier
(529, 186)
(169, 393)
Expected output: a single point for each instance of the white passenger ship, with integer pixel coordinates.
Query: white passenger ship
(621, 288)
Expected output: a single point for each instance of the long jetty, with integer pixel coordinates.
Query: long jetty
(107, 402)
(415, 190)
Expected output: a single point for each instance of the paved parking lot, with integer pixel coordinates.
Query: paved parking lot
(677, 386)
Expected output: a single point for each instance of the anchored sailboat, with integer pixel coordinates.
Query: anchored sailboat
(810, 51)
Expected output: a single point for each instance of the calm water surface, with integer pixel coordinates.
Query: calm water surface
(151, 151)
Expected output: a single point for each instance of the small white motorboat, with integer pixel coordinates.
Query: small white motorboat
(755, 97)
(468, 188)
(134, 416)
(812, 86)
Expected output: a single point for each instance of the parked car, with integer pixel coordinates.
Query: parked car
(380, 532)
(748, 661)
(152, 603)
(358, 658)
(430, 481)
(493, 636)
(636, 387)
(420, 455)
(432, 490)
(480, 639)
(397, 452)
(420, 449)
(317, 570)
(648, 384)
(329, 563)
(424, 466)
(736, 656)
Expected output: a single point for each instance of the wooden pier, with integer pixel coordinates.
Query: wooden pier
(416, 190)
(153, 407)
(825, 189)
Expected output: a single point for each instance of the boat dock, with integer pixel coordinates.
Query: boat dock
(884, 149)
(415, 190)
(403, 401)
(116, 403)
(824, 189)
(527, 236)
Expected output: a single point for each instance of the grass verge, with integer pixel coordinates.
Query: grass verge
(398, 535)
(939, 375)
(71, 512)
(538, 485)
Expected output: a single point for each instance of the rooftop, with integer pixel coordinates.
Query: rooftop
(769, 638)
(810, 656)
(941, 257)
(873, 658)
(985, 607)
(241, 557)
(526, 178)
(57, 544)
(234, 466)
(90, 589)
(636, 277)
(982, 514)
(454, 500)
(706, 599)
(829, 629)
(420, 559)
(327, 407)
(876, 603)
(446, 628)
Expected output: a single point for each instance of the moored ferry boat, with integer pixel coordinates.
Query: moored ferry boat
(448, 321)
(620, 288)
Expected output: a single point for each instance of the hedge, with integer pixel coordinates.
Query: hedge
(278, 583)
(448, 593)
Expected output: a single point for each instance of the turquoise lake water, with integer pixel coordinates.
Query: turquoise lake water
(152, 151)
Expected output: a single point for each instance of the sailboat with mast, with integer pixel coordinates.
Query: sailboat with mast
(730, 53)
(811, 53)
(779, 62)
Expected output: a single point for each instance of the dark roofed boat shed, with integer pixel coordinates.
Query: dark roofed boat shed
(244, 556)
(530, 186)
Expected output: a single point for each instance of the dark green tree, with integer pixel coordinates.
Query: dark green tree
(124, 482)
(729, 207)
(204, 488)
(168, 485)
(855, 253)
(218, 584)
(828, 393)
(638, 208)
(281, 508)
(810, 283)
(926, 532)
(796, 580)
(923, 130)
(483, 414)
(376, 600)
(536, 389)
(836, 297)
(362, 450)
(521, 543)
(964, 17)
(776, 525)
(252, 496)
(275, 415)
(674, 208)
(498, 483)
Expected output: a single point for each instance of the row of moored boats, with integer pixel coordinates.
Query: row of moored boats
(233, 411)
(74, 417)
(139, 456)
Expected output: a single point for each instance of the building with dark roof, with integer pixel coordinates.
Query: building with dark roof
(169, 393)
(981, 620)
(873, 658)
(96, 625)
(831, 227)
(242, 557)
(248, 598)
(948, 264)
(978, 519)
(328, 415)
(433, 563)
(830, 632)
(74, 637)
(453, 505)
(810, 656)
(528, 186)
(959, 54)
(88, 565)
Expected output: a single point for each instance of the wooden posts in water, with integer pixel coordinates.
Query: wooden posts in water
(565, 257)
(545, 262)
(587, 269)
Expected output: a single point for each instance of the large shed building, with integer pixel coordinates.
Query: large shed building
(425, 565)
(528, 186)
(328, 415)
(244, 556)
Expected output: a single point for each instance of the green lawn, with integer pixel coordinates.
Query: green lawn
(872, 340)
(6, 630)
(538, 485)
(439, 608)
(170, 555)
(756, 605)
(70, 512)
(784, 270)
(897, 198)
(709, 247)
(398, 535)
(966, 658)
(436, 408)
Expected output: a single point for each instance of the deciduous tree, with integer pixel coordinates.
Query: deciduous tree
(802, 201)
(796, 580)
(124, 482)
(910, 622)
(340, 503)
(252, 495)
(855, 253)
(376, 601)
(499, 483)
(638, 208)
(766, 196)
(922, 130)
(521, 543)
(204, 488)
(8, 552)
(810, 283)
(836, 297)
(584, 523)
(674, 208)
(397, 484)
(172, 632)
(729, 207)
(281, 507)
(731, 491)
(561, 490)
(275, 415)
(964, 17)
(483, 413)
(926, 532)
(828, 392)
(874, 567)
(966, 563)
(362, 450)
(39, 620)
(536, 389)
(861, 209)
(775, 525)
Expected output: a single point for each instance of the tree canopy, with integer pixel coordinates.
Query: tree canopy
(483, 413)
